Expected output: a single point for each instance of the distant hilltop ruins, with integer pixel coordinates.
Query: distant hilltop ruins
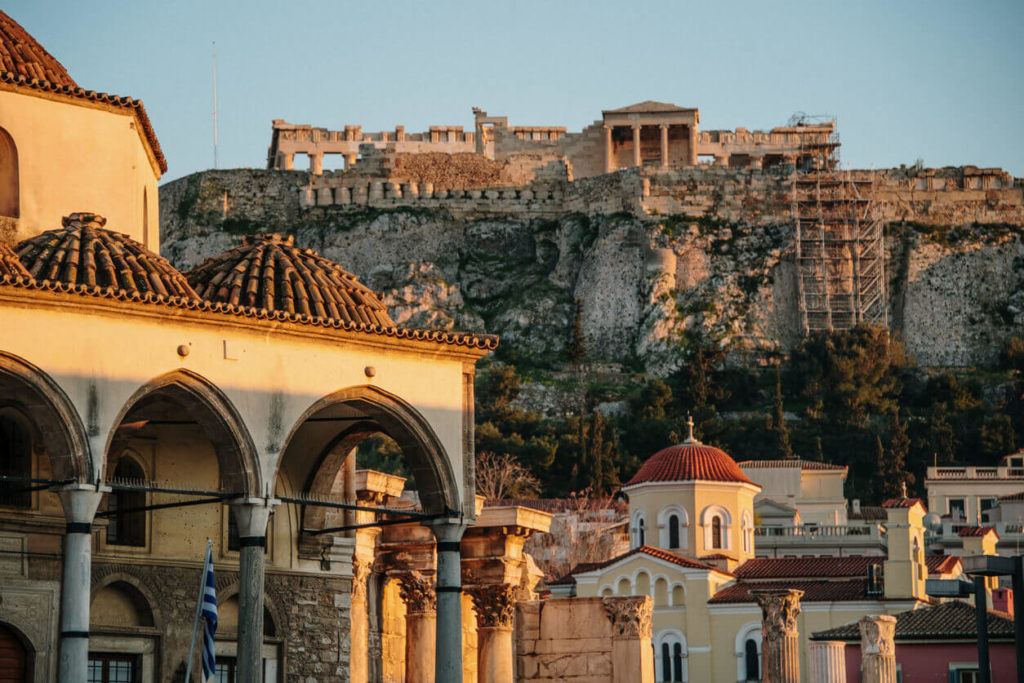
(648, 134)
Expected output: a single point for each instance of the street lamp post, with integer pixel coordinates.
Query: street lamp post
(993, 565)
(958, 588)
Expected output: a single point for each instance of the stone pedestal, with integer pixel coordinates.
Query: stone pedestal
(877, 649)
(780, 647)
(495, 606)
(420, 627)
(827, 659)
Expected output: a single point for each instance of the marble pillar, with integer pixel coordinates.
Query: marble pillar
(420, 626)
(80, 502)
(251, 517)
(357, 662)
(636, 146)
(448, 662)
(877, 649)
(316, 163)
(692, 161)
(495, 606)
(664, 144)
(827, 659)
(632, 655)
(609, 158)
(780, 646)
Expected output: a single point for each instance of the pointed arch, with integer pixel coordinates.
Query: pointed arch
(427, 459)
(217, 416)
(55, 421)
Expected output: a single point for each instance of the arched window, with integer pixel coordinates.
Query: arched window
(10, 205)
(677, 662)
(751, 662)
(638, 529)
(716, 522)
(671, 667)
(641, 532)
(127, 524)
(673, 532)
(15, 461)
(716, 532)
(747, 532)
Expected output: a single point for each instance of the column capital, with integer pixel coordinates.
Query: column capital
(253, 514)
(447, 530)
(494, 604)
(663, 126)
(81, 501)
(876, 634)
(631, 617)
(780, 609)
(360, 573)
(417, 591)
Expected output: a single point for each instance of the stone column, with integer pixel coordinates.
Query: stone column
(780, 646)
(359, 649)
(877, 649)
(827, 661)
(287, 162)
(636, 144)
(449, 599)
(316, 163)
(350, 161)
(251, 517)
(420, 627)
(80, 502)
(495, 606)
(632, 654)
(664, 144)
(692, 152)
(609, 160)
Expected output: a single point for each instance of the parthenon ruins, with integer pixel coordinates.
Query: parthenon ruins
(650, 133)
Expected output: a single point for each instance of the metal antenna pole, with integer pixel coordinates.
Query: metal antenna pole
(215, 104)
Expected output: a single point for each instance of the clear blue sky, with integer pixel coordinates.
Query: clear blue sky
(936, 79)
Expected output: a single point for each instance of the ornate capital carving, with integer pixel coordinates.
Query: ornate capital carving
(631, 617)
(876, 635)
(494, 604)
(779, 610)
(417, 591)
(360, 573)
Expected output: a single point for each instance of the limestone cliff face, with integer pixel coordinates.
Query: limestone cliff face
(641, 280)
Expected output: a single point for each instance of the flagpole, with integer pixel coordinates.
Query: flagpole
(207, 557)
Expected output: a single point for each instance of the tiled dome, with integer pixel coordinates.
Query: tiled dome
(21, 54)
(10, 265)
(269, 272)
(689, 461)
(83, 253)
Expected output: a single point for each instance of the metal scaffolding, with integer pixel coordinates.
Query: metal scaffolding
(840, 251)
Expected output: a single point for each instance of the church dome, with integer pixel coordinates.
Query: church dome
(84, 253)
(269, 272)
(690, 461)
(22, 55)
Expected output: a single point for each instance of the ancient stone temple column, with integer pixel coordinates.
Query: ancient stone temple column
(827, 661)
(358, 620)
(80, 502)
(350, 160)
(664, 144)
(449, 599)
(877, 649)
(632, 655)
(251, 517)
(287, 162)
(636, 145)
(495, 606)
(420, 626)
(316, 164)
(609, 161)
(692, 152)
(780, 647)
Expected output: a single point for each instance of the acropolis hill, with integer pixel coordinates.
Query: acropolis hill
(653, 225)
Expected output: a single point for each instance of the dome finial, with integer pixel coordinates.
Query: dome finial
(689, 424)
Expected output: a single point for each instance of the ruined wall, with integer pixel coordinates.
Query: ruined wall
(648, 256)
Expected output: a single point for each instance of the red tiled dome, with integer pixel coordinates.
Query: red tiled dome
(270, 272)
(84, 253)
(690, 461)
(21, 54)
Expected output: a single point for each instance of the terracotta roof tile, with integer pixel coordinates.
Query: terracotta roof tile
(941, 564)
(645, 550)
(814, 590)
(83, 253)
(10, 265)
(974, 531)
(802, 464)
(269, 272)
(903, 503)
(689, 462)
(953, 620)
(21, 54)
(807, 567)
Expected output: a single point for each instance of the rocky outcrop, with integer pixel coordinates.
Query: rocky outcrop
(725, 269)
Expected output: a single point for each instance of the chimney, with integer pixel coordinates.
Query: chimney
(1002, 600)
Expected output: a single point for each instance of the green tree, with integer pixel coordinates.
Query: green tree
(893, 470)
(779, 427)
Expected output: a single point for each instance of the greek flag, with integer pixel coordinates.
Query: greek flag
(209, 612)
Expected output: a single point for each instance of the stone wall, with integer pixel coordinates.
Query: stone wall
(596, 640)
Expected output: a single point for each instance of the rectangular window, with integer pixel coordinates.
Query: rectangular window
(957, 509)
(107, 667)
(225, 671)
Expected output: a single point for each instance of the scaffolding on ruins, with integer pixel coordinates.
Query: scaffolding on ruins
(840, 251)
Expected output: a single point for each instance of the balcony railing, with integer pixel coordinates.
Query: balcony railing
(824, 533)
(975, 473)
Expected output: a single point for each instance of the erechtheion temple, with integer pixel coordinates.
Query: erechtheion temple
(649, 133)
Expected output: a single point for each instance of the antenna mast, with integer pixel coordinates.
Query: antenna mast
(215, 104)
